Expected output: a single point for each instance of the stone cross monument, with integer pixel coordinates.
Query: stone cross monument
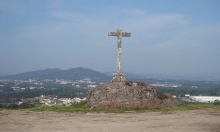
(119, 77)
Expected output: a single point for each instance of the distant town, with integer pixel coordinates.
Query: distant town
(49, 100)
(55, 87)
(37, 83)
(85, 83)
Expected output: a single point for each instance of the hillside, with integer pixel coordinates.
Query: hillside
(70, 74)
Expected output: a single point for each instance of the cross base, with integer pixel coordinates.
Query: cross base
(119, 77)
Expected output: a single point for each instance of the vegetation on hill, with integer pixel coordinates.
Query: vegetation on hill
(83, 108)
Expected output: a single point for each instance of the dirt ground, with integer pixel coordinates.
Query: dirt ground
(207, 120)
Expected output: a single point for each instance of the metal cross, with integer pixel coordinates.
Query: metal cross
(119, 34)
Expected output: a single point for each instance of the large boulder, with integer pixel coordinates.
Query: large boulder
(128, 94)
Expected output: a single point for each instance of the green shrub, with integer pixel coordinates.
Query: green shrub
(216, 102)
(81, 105)
(26, 105)
(162, 95)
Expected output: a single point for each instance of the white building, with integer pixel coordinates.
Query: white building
(77, 100)
(205, 99)
(91, 86)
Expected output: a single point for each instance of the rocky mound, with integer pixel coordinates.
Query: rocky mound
(128, 94)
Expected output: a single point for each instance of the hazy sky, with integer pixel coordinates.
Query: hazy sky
(174, 37)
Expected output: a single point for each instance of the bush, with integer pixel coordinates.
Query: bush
(26, 105)
(8, 106)
(216, 102)
(162, 96)
(81, 105)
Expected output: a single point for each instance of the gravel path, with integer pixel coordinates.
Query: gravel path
(207, 120)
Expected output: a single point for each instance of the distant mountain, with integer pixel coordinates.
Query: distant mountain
(81, 73)
(140, 78)
(1, 74)
(78, 74)
(70, 74)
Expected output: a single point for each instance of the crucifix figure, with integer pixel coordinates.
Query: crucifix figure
(119, 77)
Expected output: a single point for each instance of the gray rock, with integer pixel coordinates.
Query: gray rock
(119, 77)
(128, 94)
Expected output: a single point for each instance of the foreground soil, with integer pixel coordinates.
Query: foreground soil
(203, 120)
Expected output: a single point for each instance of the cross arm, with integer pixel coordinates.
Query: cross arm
(126, 34)
(113, 34)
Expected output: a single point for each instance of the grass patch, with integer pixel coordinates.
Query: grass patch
(83, 108)
(77, 107)
(0, 111)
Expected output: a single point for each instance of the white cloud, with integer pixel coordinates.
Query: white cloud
(143, 27)
(194, 50)
(48, 32)
(164, 43)
(65, 15)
